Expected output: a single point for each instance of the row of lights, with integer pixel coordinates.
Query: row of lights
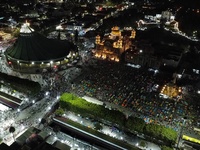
(34, 63)
(51, 62)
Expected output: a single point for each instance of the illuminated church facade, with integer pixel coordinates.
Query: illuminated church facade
(111, 47)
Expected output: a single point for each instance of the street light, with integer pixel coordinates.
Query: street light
(23, 127)
(181, 130)
(47, 93)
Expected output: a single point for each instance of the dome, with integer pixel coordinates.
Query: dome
(34, 48)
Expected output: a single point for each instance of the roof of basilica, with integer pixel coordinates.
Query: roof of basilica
(32, 46)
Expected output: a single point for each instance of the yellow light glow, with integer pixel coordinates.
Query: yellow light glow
(187, 138)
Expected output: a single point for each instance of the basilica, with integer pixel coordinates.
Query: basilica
(113, 45)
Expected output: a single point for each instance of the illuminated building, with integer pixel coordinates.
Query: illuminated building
(170, 91)
(111, 47)
(4, 36)
(167, 15)
(34, 53)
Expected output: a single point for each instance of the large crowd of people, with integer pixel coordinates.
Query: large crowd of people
(117, 83)
(134, 89)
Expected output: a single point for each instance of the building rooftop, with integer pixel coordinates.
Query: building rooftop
(32, 46)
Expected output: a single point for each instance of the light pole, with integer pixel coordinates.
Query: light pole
(181, 131)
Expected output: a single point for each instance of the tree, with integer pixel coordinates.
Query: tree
(98, 126)
(166, 148)
(59, 112)
(142, 143)
(12, 130)
(16, 32)
(135, 124)
(81, 106)
(162, 132)
(43, 121)
(56, 129)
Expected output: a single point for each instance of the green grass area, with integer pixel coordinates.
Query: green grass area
(98, 134)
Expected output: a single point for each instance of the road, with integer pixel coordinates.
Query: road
(80, 134)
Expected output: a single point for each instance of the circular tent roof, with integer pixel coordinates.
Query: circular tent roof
(32, 46)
